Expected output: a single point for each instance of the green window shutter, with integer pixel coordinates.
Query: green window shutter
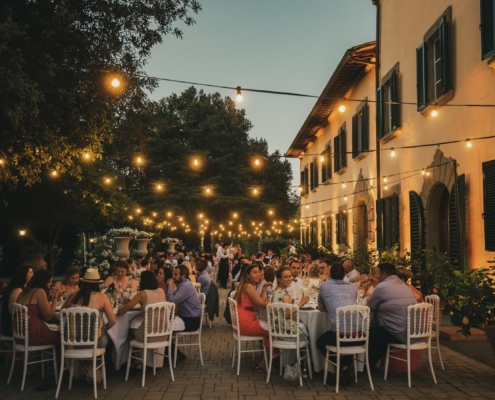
(416, 225)
(312, 176)
(338, 227)
(343, 149)
(336, 154)
(445, 52)
(343, 230)
(302, 183)
(355, 140)
(324, 167)
(317, 176)
(306, 180)
(380, 112)
(422, 76)
(329, 232)
(457, 217)
(380, 213)
(329, 162)
(395, 98)
(365, 128)
(487, 8)
(394, 220)
(489, 204)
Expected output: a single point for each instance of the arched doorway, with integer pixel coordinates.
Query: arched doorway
(438, 218)
(362, 229)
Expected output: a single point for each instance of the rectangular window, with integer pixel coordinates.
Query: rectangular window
(387, 225)
(306, 180)
(340, 151)
(487, 29)
(437, 68)
(326, 164)
(328, 236)
(360, 131)
(313, 167)
(388, 106)
(301, 184)
(489, 204)
(341, 222)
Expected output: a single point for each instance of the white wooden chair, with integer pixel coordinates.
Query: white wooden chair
(21, 344)
(158, 322)
(197, 286)
(419, 321)
(352, 325)
(202, 299)
(281, 337)
(238, 339)
(435, 334)
(79, 331)
(7, 339)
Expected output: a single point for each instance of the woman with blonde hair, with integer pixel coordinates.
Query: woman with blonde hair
(367, 283)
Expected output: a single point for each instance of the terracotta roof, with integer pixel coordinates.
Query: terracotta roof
(347, 74)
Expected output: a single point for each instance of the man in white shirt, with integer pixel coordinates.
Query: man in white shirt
(297, 282)
(352, 274)
(292, 249)
(171, 260)
(223, 254)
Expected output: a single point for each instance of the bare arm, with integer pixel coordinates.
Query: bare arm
(138, 298)
(108, 310)
(108, 281)
(13, 297)
(255, 297)
(47, 310)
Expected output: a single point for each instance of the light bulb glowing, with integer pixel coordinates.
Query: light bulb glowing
(434, 113)
(107, 180)
(159, 187)
(427, 173)
(130, 217)
(322, 159)
(139, 160)
(307, 206)
(195, 162)
(138, 211)
(200, 215)
(386, 187)
(208, 190)
(345, 198)
(342, 108)
(1, 161)
(257, 162)
(22, 232)
(169, 214)
(86, 156)
(154, 214)
(423, 172)
(235, 215)
(343, 186)
(115, 82)
(238, 96)
(392, 153)
(54, 173)
(468, 143)
(300, 189)
(385, 179)
(270, 212)
(255, 191)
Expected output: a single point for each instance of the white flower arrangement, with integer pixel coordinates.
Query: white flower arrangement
(121, 232)
(143, 235)
(170, 240)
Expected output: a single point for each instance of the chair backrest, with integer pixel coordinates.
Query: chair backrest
(158, 319)
(20, 324)
(232, 294)
(80, 326)
(435, 300)
(419, 321)
(353, 323)
(283, 321)
(234, 316)
(202, 300)
(197, 286)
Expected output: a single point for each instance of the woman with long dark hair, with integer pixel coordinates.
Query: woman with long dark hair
(70, 281)
(35, 298)
(90, 296)
(20, 278)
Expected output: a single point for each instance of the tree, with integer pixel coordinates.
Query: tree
(57, 58)
(204, 129)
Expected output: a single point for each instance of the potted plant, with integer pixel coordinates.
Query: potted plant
(142, 240)
(33, 257)
(122, 236)
(171, 243)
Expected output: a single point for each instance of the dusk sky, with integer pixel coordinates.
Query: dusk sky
(281, 45)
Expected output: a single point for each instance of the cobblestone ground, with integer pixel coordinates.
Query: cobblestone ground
(462, 378)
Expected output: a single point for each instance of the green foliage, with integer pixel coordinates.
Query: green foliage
(316, 251)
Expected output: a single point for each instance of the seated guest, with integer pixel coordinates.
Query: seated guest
(314, 276)
(324, 269)
(90, 296)
(367, 283)
(149, 293)
(171, 260)
(20, 278)
(248, 299)
(132, 267)
(192, 278)
(35, 298)
(335, 293)
(203, 277)
(352, 274)
(259, 286)
(120, 279)
(390, 299)
(306, 268)
(144, 266)
(185, 296)
(405, 275)
(164, 273)
(297, 281)
(157, 263)
(70, 281)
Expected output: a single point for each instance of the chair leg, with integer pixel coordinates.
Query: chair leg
(60, 380)
(26, 354)
(309, 362)
(170, 361)
(14, 356)
(200, 351)
(128, 364)
(175, 350)
(280, 356)
(190, 346)
(326, 368)
(386, 363)
(369, 372)
(409, 366)
(145, 355)
(104, 370)
(439, 352)
(233, 351)
(431, 364)
(355, 368)
(154, 363)
(42, 364)
(71, 374)
(55, 365)
(94, 376)
(299, 362)
(338, 374)
(238, 357)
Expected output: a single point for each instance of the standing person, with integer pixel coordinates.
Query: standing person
(90, 296)
(292, 249)
(35, 298)
(390, 300)
(223, 254)
(335, 293)
(20, 278)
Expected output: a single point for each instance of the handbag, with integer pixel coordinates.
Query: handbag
(292, 372)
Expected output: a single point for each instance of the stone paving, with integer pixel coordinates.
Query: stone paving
(463, 378)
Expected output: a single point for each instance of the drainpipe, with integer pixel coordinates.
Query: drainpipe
(377, 84)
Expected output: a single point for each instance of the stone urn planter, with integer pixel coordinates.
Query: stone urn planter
(35, 261)
(142, 247)
(123, 246)
(171, 247)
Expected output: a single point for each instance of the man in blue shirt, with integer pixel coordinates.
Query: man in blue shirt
(335, 293)
(203, 276)
(185, 297)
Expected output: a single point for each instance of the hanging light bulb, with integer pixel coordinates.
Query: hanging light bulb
(54, 173)
(392, 153)
(270, 212)
(130, 217)
(427, 173)
(159, 187)
(385, 179)
(423, 172)
(468, 143)
(322, 159)
(107, 180)
(345, 198)
(257, 162)
(138, 211)
(195, 162)
(307, 206)
(342, 108)
(343, 186)
(87, 156)
(238, 96)
(22, 232)
(386, 187)
(255, 191)
(434, 113)
(2, 161)
(208, 190)
(115, 82)
(154, 214)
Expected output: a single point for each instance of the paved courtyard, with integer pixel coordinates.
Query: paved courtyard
(463, 378)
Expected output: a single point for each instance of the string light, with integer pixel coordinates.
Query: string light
(468, 143)
(345, 198)
(159, 187)
(235, 215)
(138, 211)
(130, 217)
(343, 185)
(257, 162)
(139, 160)
(386, 187)
(434, 113)
(322, 159)
(87, 156)
(169, 214)
(238, 96)
(115, 82)
(392, 153)
(270, 212)
(22, 232)
(196, 162)
(342, 108)
(154, 214)
(255, 191)
(54, 173)
(200, 215)
(107, 180)
(2, 161)
(208, 191)
(384, 179)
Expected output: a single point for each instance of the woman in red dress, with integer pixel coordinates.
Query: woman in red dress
(247, 300)
(35, 298)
